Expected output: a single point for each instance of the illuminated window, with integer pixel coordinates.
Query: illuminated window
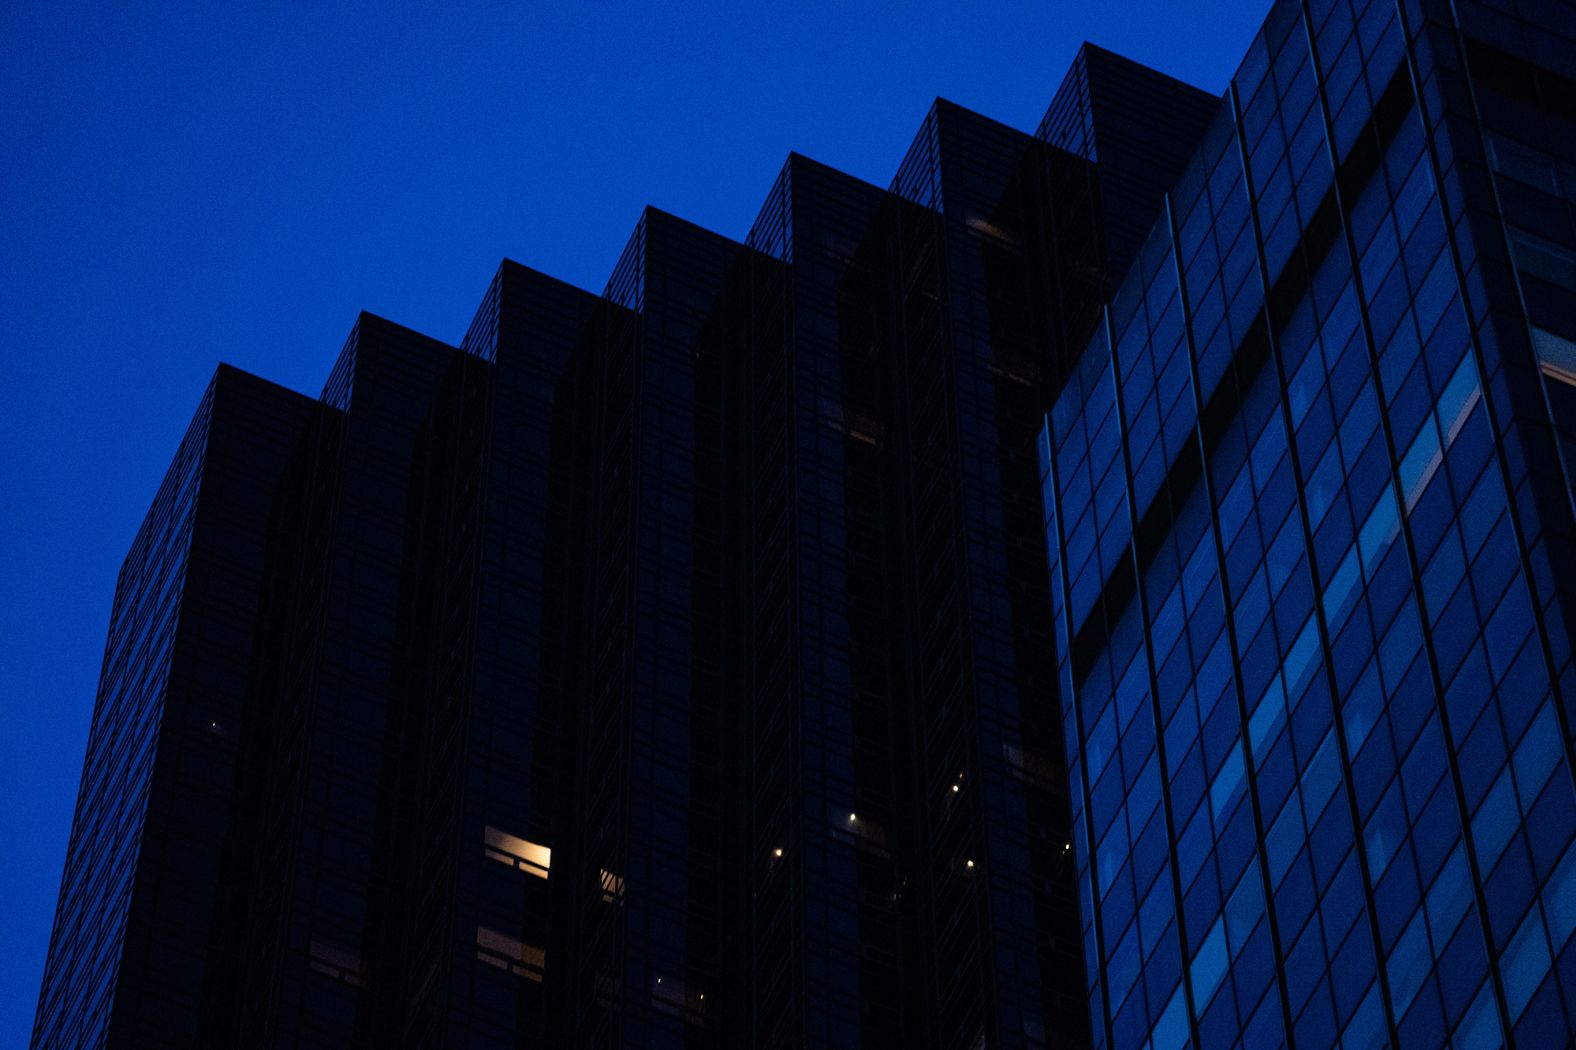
(518, 853)
(506, 953)
(612, 888)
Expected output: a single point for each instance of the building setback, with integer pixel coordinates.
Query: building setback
(1110, 587)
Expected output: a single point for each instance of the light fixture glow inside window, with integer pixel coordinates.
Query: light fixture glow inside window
(612, 887)
(510, 849)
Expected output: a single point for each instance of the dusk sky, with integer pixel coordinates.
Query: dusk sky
(187, 184)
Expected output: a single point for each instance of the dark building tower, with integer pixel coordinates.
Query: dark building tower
(1002, 256)
(140, 934)
(1121, 134)
(327, 697)
(488, 687)
(834, 680)
(1111, 587)
(824, 675)
(652, 799)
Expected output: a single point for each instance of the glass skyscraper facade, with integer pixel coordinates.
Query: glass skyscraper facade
(1111, 586)
(1309, 523)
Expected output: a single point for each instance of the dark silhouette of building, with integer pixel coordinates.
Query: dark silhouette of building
(829, 639)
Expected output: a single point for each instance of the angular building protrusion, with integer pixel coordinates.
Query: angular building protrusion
(824, 653)
(653, 799)
(489, 674)
(144, 932)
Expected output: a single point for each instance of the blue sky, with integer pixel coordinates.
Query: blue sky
(189, 184)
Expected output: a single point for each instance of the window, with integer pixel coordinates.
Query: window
(517, 852)
(506, 953)
(1029, 767)
(334, 961)
(1530, 166)
(1543, 259)
(612, 887)
(669, 995)
(1556, 355)
(1209, 965)
(1525, 961)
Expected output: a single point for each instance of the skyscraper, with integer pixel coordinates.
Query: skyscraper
(1107, 587)
(140, 929)
(1309, 520)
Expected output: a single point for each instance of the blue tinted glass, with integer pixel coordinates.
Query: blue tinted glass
(1526, 961)
(1209, 963)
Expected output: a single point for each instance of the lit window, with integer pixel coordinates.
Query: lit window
(506, 953)
(518, 853)
(612, 888)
